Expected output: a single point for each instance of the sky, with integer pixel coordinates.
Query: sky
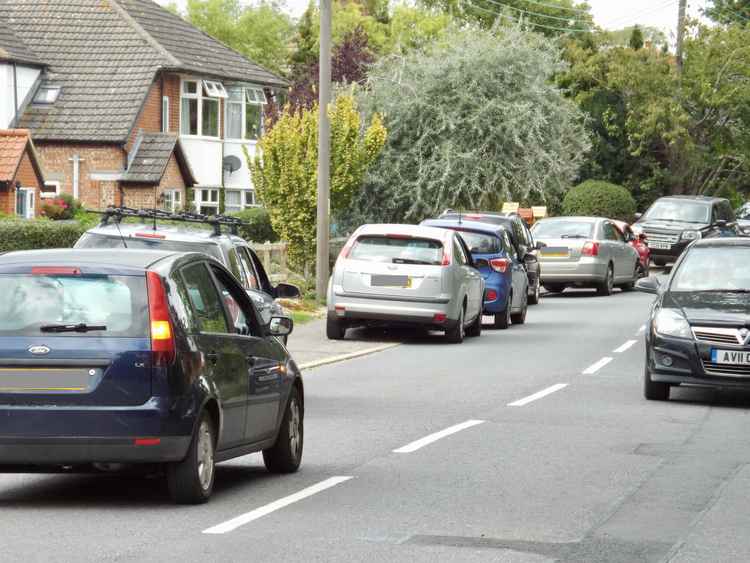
(610, 14)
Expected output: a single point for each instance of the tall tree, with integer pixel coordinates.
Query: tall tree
(260, 32)
(729, 11)
(636, 38)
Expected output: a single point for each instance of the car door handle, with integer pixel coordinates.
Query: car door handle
(212, 357)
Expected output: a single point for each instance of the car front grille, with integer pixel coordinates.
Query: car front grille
(718, 335)
(726, 370)
(661, 237)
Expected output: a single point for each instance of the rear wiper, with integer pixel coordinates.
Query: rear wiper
(410, 261)
(80, 327)
(573, 236)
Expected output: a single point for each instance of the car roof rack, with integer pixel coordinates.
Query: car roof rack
(117, 214)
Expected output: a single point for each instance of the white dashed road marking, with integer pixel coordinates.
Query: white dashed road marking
(597, 366)
(627, 346)
(421, 443)
(248, 517)
(539, 395)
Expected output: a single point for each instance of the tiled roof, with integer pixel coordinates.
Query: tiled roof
(105, 54)
(13, 144)
(193, 50)
(152, 154)
(13, 49)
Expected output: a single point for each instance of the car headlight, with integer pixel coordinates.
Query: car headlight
(669, 322)
(691, 235)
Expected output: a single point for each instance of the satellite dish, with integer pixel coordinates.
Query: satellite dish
(231, 163)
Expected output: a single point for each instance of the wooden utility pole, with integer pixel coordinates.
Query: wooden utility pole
(682, 12)
(324, 152)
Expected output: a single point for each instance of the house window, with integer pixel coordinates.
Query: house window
(232, 201)
(25, 203)
(47, 95)
(165, 114)
(244, 112)
(50, 189)
(199, 107)
(249, 198)
(207, 201)
(172, 200)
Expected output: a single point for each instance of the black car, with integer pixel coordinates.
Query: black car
(111, 357)
(231, 250)
(520, 235)
(699, 328)
(672, 223)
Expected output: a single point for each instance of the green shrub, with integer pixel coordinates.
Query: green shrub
(62, 207)
(19, 234)
(259, 227)
(599, 199)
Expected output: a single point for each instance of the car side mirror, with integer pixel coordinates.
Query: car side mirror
(529, 257)
(650, 284)
(539, 245)
(286, 291)
(638, 216)
(280, 326)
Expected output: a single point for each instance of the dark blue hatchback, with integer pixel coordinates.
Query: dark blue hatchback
(504, 272)
(140, 357)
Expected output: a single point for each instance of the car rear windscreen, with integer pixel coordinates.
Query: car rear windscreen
(92, 240)
(563, 229)
(397, 250)
(481, 244)
(31, 302)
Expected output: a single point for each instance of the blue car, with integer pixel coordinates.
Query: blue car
(114, 357)
(504, 271)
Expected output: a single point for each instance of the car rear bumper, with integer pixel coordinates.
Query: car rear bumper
(584, 271)
(688, 360)
(420, 312)
(49, 434)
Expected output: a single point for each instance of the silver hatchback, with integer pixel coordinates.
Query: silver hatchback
(406, 275)
(585, 252)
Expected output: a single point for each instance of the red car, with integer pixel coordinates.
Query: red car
(639, 243)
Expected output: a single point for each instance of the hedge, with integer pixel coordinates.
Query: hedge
(259, 228)
(19, 234)
(600, 199)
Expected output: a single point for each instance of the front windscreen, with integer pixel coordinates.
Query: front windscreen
(678, 211)
(36, 304)
(714, 269)
(481, 244)
(397, 250)
(563, 229)
(91, 240)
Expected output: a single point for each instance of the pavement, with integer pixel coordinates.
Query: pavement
(527, 445)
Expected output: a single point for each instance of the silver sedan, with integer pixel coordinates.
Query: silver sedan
(585, 252)
(406, 275)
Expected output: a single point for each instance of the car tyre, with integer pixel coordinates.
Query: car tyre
(606, 286)
(661, 262)
(520, 317)
(455, 334)
(285, 455)
(535, 295)
(191, 481)
(475, 328)
(654, 391)
(503, 319)
(335, 328)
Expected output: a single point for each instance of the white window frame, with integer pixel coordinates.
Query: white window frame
(48, 195)
(214, 89)
(30, 211)
(165, 114)
(200, 202)
(172, 199)
(251, 95)
(253, 201)
(199, 95)
(47, 95)
(235, 208)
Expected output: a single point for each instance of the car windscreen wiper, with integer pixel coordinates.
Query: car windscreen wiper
(80, 327)
(411, 261)
(573, 236)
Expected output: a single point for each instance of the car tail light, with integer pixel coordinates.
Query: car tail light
(347, 247)
(472, 216)
(150, 235)
(147, 441)
(590, 249)
(162, 336)
(500, 264)
(340, 310)
(447, 254)
(439, 318)
(491, 295)
(54, 271)
(399, 236)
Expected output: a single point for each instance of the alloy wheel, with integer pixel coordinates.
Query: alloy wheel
(294, 428)
(205, 453)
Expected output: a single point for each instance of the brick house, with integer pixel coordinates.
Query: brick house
(21, 178)
(134, 106)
